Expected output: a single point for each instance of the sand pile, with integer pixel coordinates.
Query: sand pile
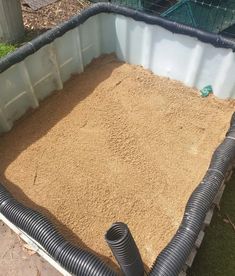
(117, 144)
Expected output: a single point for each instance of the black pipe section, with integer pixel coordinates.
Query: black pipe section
(124, 249)
(49, 36)
(173, 257)
(75, 260)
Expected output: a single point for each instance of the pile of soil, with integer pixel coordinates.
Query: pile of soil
(117, 144)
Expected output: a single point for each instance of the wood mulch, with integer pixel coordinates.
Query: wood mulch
(48, 17)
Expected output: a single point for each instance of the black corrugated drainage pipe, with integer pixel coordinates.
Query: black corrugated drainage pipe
(74, 259)
(124, 249)
(173, 257)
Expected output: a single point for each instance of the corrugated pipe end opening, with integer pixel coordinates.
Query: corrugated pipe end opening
(116, 233)
(124, 249)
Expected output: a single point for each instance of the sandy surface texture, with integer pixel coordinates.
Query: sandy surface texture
(117, 144)
(17, 260)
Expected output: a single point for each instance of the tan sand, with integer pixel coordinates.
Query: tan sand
(117, 144)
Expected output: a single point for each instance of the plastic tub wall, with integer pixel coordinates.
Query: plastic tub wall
(168, 49)
(177, 56)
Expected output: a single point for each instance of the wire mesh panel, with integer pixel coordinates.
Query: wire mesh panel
(213, 16)
(216, 16)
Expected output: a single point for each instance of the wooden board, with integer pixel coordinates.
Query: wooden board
(11, 21)
(37, 4)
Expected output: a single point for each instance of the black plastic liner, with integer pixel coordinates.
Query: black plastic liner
(124, 249)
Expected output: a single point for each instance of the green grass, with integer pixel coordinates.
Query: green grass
(216, 257)
(6, 49)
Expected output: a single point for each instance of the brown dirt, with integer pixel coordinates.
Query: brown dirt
(117, 144)
(51, 15)
(17, 261)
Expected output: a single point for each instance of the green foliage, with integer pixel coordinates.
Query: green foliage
(216, 256)
(6, 49)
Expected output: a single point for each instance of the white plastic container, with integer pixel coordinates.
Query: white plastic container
(43, 65)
